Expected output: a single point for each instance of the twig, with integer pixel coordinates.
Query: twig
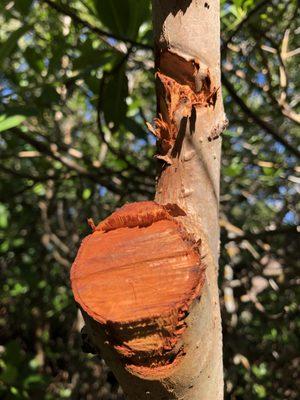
(71, 164)
(242, 23)
(288, 230)
(102, 33)
(260, 122)
(99, 112)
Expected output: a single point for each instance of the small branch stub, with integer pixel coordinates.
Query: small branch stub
(137, 276)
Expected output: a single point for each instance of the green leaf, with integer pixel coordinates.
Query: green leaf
(10, 122)
(23, 6)
(86, 194)
(34, 59)
(10, 374)
(4, 214)
(122, 17)
(114, 98)
(92, 58)
(260, 391)
(7, 47)
(48, 96)
(137, 16)
(33, 379)
(132, 126)
(65, 393)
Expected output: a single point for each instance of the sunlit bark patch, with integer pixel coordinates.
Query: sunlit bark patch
(137, 275)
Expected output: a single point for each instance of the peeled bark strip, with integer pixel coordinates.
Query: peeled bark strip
(146, 278)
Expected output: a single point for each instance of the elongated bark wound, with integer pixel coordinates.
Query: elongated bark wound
(137, 275)
(182, 86)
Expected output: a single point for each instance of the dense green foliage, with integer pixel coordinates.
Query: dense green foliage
(76, 87)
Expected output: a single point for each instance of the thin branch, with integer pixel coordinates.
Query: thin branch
(242, 23)
(102, 33)
(260, 122)
(114, 151)
(288, 230)
(34, 178)
(106, 178)
(69, 163)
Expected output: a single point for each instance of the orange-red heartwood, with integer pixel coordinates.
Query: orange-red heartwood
(137, 274)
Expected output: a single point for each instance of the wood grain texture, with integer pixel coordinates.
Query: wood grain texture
(137, 274)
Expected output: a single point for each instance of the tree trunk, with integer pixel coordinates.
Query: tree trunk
(146, 279)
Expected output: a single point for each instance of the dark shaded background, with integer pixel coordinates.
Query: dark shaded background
(76, 87)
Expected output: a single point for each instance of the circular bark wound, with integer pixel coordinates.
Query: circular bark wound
(137, 275)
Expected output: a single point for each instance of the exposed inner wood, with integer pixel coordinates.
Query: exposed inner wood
(137, 275)
(182, 86)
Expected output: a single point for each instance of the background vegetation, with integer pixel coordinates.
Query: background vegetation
(76, 87)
